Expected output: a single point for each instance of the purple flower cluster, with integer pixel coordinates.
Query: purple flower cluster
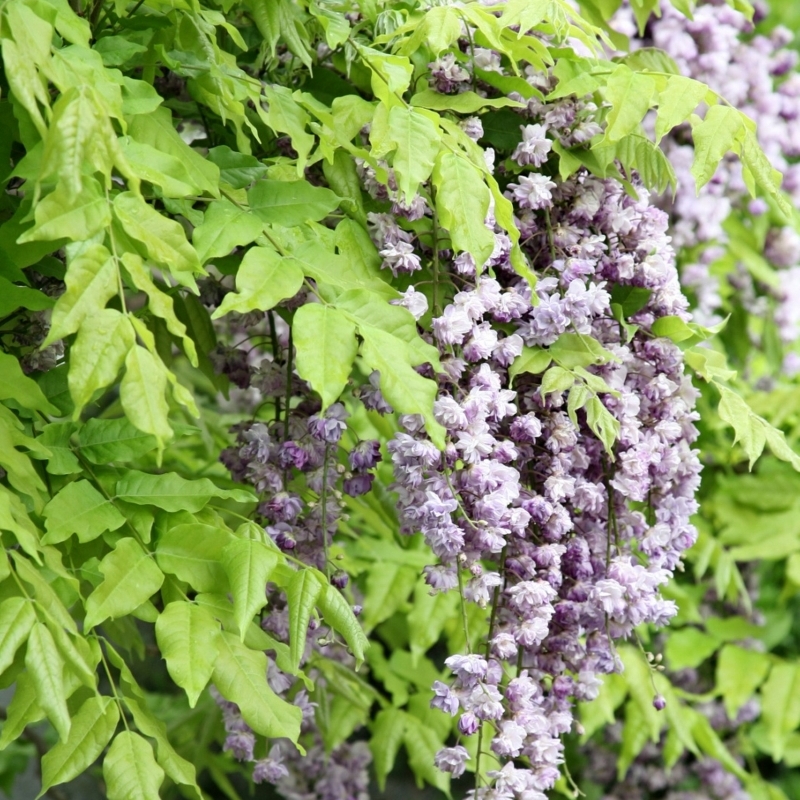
(525, 509)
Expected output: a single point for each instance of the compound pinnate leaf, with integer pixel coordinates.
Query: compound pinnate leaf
(193, 552)
(92, 729)
(248, 564)
(338, 613)
(263, 280)
(130, 769)
(46, 667)
(131, 578)
(142, 393)
(388, 732)
(240, 674)
(224, 227)
(187, 637)
(713, 137)
(79, 508)
(326, 348)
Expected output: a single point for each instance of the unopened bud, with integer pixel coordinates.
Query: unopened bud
(659, 703)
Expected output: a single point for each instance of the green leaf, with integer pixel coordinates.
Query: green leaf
(388, 588)
(462, 202)
(248, 564)
(172, 492)
(417, 140)
(225, 226)
(326, 345)
(780, 705)
(130, 769)
(713, 137)
(422, 744)
(80, 509)
(689, 647)
(462, 103)
(23, 710)
(630, 94)
(240, 674)
(159, 303)
(291, 203)
(13, 297)
(388, 732)
(747, 427)
(193, 552)
(160, 169)
(163, 240)
(187, 637)
(286, 116)
(16, 620)
(427, 618)
(635, 734)
(176, 767)
(46, 667)
(404, 388)
(337, 612)
(91, 730)
(16, 385)
(533, 360)
(142, 393)
(739, 673)
(104, 340)
(573, 350)
(302, 593)
(238, 170)
(676, 102)
(62, 216)
(131, 578)
(105, 440)
(56, 438)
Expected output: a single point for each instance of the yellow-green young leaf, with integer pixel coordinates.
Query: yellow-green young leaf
(187, 637)
(676, 102)
(56, 438)
(91, 281)
(23, 710)
(325, 340)
(159, 303)
(16, 385)
(388, 587)
(780, 705)
(439, 28)
(176, 767)
(337, 612)
(240, 674)
(92, 729)
(463, 103)
(224, 227)
(263, 280)
(739, 673)
(422, 743)
(79, 655)
(637, 675)
(533, 360)
(342, 177)
(22, 476)
(759, 170)
(171, 492)
(291, 203)
(388, 731)
(402, 386)
(462, 202)
(602, 423)
(193, 552)
(142, 393)
(248, 564)
(630, 94)
(635, 734)
(302, 592)
(160, 169)
(46, 666)
(748, 428)
(105, 338)
(417, 140)
(62, 216)
(720, 131)
(45, 596)
(131, 578)
(163, 239)
(130, 769)
(427, 618)
(16, 620)
(25, 82)
(79, 508)
(286, 116)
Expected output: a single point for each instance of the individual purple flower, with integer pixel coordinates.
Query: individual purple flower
(365, 455)
(533, 191)
(400, 257)
(330, 426)
(269, 770)
(444, 699)
(534, 147)
(452, 760)
(240, 744)
(359, 484)
(414, 301)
